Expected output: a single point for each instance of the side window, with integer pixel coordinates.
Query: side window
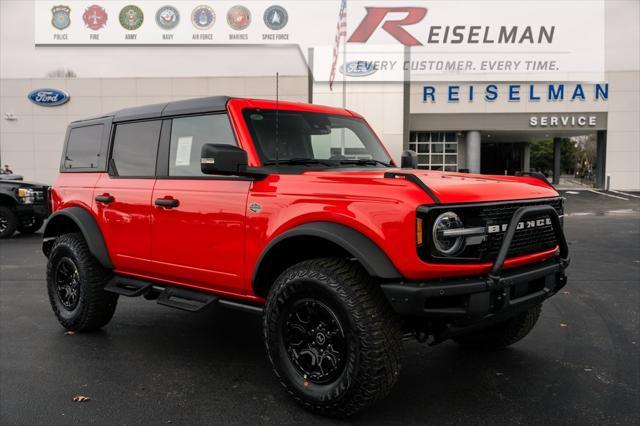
(83, 148)
(135, 148)
(188, 134)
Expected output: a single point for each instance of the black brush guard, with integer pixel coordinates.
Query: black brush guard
(480, 301)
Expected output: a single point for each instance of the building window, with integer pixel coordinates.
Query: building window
(436, 150)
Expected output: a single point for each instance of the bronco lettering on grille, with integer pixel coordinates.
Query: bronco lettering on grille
(527, 224)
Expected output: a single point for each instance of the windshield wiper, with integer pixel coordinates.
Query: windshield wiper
(365, 162)
(297, 161)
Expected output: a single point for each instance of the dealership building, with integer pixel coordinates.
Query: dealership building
(482, 126)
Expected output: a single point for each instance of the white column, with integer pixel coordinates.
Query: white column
(526, 167)
(473, 151)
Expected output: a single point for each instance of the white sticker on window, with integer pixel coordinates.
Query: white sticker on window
(183, 151)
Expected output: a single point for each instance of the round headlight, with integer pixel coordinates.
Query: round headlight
(447, 245)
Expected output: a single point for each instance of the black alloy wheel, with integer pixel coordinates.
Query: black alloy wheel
(67, 281)
(75, 285)
(315, 341)
(331, 336)
(4, 223)
(8, 222)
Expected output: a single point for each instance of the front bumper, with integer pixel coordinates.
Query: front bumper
(39, 210)
(482, 300)
(476, 298)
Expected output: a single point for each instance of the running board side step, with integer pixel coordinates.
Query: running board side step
(187, 300)
(126, 286)
(174, 297)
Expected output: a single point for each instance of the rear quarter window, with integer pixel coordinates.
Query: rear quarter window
(84, 148)
(135, 149)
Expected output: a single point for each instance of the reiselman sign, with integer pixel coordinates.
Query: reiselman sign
(533, 92)
(372, 40)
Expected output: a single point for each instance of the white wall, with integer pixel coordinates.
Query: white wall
(32, 143)
(623, 130)
(379, 103)
(156, 73)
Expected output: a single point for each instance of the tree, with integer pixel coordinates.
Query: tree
(568, 156)
(61, 73)
(542, 156)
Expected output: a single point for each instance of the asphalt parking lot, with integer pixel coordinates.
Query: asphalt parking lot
(154, 365)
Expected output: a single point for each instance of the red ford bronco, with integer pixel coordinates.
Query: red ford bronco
(298, 212)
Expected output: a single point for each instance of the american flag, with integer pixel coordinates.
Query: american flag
(341, 31)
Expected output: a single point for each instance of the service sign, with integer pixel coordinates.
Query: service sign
(377, 40)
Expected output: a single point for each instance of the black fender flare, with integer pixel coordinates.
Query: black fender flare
(87, 225)
(373, 259)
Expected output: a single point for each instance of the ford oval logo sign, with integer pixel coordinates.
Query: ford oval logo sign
(358, 68)
(48, 97)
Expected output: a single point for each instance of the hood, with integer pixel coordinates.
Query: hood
(454, 188)
(21, 184)
(473, 188)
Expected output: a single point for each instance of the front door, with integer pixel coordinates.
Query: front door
(122, 198)
(198, 220)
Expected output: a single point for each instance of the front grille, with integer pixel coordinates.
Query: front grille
(525, 241)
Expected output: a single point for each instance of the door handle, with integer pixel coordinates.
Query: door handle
(105, 198)
(167, 202)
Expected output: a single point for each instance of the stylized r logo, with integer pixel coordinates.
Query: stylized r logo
(375, 16)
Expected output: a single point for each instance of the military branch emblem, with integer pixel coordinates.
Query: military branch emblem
(61, 17)
(203, 17)
(276, 17)
(239, 17)
(131, 17)
(167, 17)
(95, 17)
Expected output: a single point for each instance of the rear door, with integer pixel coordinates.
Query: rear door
(122, 197)
(198, 220)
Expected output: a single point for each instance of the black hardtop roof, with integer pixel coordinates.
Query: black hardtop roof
(188, 106)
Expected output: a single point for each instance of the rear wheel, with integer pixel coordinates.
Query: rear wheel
(8, 222)
(331, 336)
(75, 283)
(503, 334)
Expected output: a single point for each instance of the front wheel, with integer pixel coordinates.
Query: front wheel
(8, 222)
(331, 336)
(502, 334)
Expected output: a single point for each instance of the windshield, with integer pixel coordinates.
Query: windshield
(313, 138)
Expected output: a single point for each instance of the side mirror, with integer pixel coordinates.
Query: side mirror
(220, 159)
(409, 159)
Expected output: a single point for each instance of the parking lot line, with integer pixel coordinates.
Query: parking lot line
(626, 194)
(608, 195)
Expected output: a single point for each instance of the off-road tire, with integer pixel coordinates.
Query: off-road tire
(372, 331)
(95, 306)
(502, 334)
(10, 221)
(33, 226)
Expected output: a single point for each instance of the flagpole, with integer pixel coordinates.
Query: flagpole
(344, 78)
(344, 61)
